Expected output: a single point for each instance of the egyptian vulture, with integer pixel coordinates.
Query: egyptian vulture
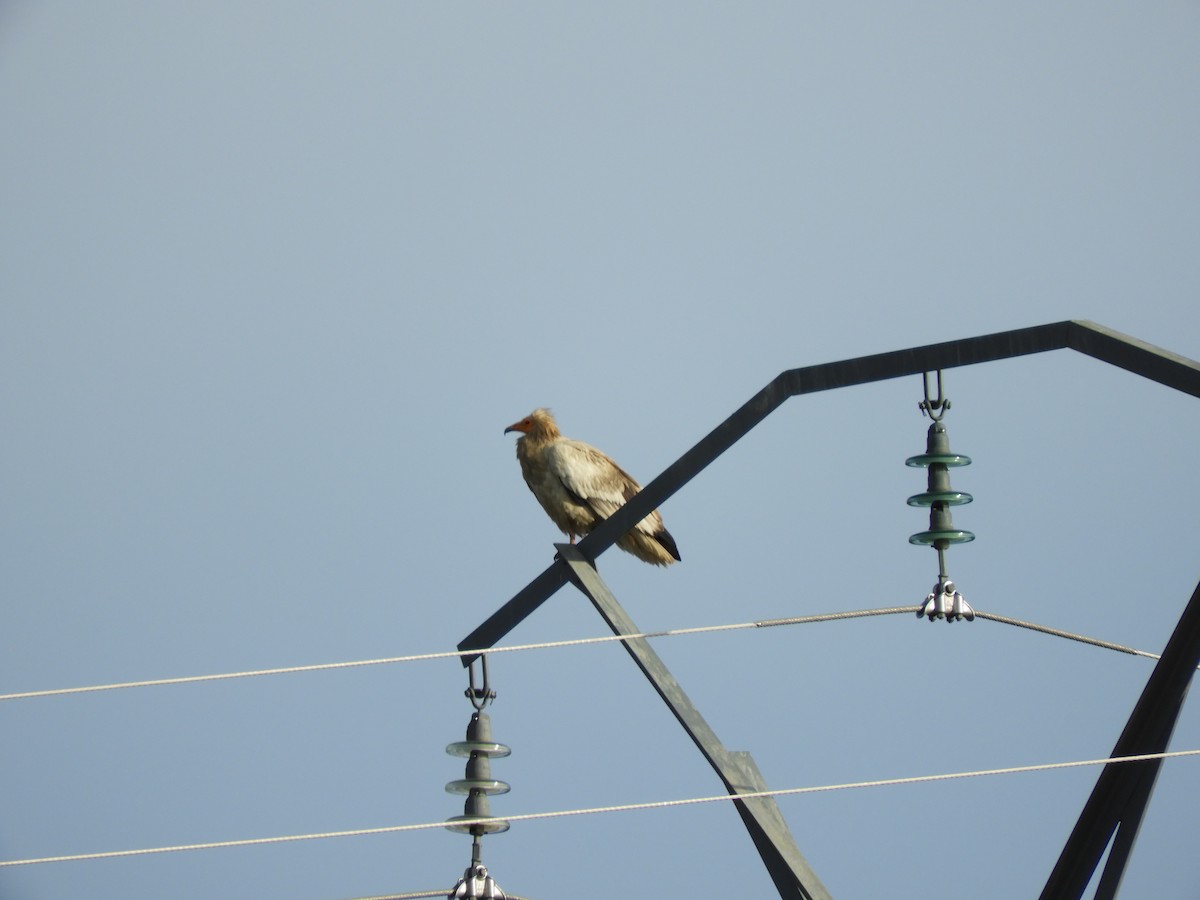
(579, 487)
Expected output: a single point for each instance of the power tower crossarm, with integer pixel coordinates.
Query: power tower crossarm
(1093, 340)
(811, 380)
(512, 613)
(1132, 355)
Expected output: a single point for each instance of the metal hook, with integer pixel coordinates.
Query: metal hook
(935, 409)
(481, 696)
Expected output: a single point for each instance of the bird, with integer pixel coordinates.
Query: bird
(579, 487)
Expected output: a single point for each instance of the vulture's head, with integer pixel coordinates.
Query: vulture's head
(539, 424)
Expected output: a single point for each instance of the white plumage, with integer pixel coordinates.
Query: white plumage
(579, 487)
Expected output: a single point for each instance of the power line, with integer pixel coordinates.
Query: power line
(575, 642)
(455, 654)
(1069, 635)
(595, 810)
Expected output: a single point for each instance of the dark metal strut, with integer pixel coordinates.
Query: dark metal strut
(786, 864)
(1122, 791)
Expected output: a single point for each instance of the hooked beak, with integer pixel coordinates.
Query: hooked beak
(521, 425)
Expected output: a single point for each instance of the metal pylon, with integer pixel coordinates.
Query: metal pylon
(1126, 794)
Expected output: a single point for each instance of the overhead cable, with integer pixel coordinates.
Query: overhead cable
(575, 642)
(451, 654)
(1071, 636)
(595, 810)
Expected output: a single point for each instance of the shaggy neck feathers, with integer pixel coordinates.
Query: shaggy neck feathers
(542, 428)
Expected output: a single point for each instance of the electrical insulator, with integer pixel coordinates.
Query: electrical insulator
(478, 785)
(944, 601)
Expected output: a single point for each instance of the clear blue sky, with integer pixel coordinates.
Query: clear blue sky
(275, 276)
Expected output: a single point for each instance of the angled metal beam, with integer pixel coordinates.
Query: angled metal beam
(512, 613)
(792, 875)
(1128, 353)
(814, 379)
(1122, 791)
(1127, 829)
(1096, 341)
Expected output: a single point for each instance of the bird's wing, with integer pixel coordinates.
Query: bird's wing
(595, 479)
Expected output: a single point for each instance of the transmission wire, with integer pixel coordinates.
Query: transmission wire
(453, 654)
(575, 642)
(595, 810)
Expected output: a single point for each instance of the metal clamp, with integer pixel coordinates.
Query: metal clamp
(476, 883)
(479, 696)
(935, 409)
(945, 602)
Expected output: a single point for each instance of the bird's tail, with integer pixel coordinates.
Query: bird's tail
(658, 549)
